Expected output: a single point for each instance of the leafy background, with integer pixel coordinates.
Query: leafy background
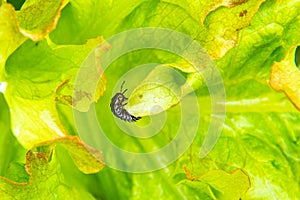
(253, 43)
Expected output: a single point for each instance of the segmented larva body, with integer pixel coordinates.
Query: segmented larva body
(117, 106)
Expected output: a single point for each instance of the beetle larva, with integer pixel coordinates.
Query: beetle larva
(117, 106)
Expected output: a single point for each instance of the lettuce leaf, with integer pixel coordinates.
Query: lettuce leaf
(246, 39)
(45, 181)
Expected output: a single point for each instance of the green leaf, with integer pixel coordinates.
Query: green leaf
(225, 24)
(158, 92)
(17, 172)
(10, 36)
(285, 76)
(89, 19)
(87, 159)
(36, 28)
(265, 41)
(31, 92)
(162, 89)
(227, 186)
(46, 181)
(218, 184)
(257, 118)
(16, 26)
(84, 92)
(43, 177)
(260, 135)
(193, 82)
(10, 148)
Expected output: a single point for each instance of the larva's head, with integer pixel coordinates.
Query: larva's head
(120, 97)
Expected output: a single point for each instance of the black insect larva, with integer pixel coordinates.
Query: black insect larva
(117, 104)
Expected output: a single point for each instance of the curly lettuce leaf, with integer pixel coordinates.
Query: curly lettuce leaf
(30, 91)
(42, 176)
(195, 18)
(17, 26)
(87, 159)
(45, 180)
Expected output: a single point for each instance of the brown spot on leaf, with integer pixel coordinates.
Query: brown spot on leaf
(243, 13)
(235, 3)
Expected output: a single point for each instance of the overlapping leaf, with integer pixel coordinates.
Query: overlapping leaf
(261, 131)
(32, 85)
(17, 26)
(87, 159)
(10, 36)
(46, 180)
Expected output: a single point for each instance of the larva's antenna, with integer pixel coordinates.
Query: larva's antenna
(122, 88)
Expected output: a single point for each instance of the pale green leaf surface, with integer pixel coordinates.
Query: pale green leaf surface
(217, 184)
(158, 92)
(90, 19)
(36, 28)
(88, 85)
(227, 186)
(31, 92)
